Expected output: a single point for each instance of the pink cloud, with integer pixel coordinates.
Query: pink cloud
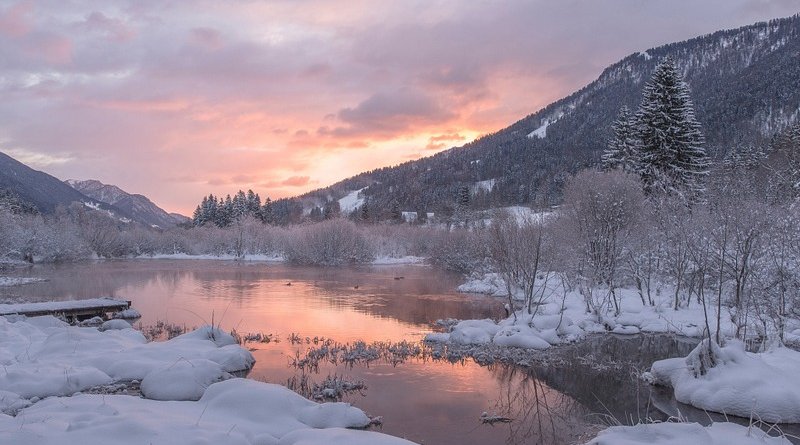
(14, 21)
(235, 93)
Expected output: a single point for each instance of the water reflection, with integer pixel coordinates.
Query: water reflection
(424, 400)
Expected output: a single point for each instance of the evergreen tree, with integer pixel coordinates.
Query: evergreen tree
(266, 213)
(672, 159)
(365, 211)
(253, 203)
(331, 210)
(394, 211)
(463, 198)
(621, 151)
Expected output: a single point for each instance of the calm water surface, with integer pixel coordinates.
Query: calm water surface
(424, 400)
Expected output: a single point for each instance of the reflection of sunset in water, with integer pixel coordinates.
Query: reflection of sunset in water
(425, 401)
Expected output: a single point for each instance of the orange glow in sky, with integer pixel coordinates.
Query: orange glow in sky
(178, 99)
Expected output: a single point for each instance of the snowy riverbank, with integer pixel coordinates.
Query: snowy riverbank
(762, 386)
(61, 384)
(379, 261)
(566, 312)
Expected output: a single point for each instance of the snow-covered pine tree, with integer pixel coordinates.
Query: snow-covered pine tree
(621, 151)
(670, 142)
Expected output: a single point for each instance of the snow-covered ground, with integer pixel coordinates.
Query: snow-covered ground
(724, 433)
(51, 372)
(18, 281)
(732, 381)
(566, 314)
(351, 201)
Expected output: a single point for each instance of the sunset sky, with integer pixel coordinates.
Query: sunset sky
(177, 99)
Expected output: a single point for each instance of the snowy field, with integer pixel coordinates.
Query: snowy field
(57, 382)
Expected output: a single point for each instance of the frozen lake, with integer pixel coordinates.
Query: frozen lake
(424, 400)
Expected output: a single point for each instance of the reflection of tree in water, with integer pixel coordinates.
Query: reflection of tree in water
(540, 414)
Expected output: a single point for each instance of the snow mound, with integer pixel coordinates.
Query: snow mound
(474, 332)
(330, 415)
(115, 324)
(43, 380)
(234, 412)
(437, 337)
(520, 337)
(722, 433)
(43, 357)
(734, 382)
(183, 380)
(128, 314)
(11, 402)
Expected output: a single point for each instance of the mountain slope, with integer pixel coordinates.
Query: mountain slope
(745, 85)
(41, 190)
(139, 207)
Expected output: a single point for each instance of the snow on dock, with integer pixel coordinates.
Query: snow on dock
(74, 309)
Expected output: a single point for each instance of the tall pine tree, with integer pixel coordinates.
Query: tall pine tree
(622, 148)
(672, 159)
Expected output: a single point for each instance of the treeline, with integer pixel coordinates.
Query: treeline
(223, 212)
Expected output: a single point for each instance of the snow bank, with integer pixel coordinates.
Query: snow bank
(523, 331)
(226, 257)
(723, 433)
(183, 380)
(488, 284)
(408, 259)
(236, 411)
(764, 385)
(43, 356)
(634, 317)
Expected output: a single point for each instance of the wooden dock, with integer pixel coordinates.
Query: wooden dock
(73, 310)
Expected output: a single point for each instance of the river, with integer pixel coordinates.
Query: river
(422, 399)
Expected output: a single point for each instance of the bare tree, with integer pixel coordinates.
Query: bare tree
(600, 210)
(519, 248)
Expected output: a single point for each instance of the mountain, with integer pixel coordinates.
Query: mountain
(139, 207)
(745, 85)
(39, 189)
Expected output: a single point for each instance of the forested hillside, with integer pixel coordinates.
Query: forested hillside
(745, 84)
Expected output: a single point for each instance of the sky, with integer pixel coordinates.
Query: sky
(176, 99)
